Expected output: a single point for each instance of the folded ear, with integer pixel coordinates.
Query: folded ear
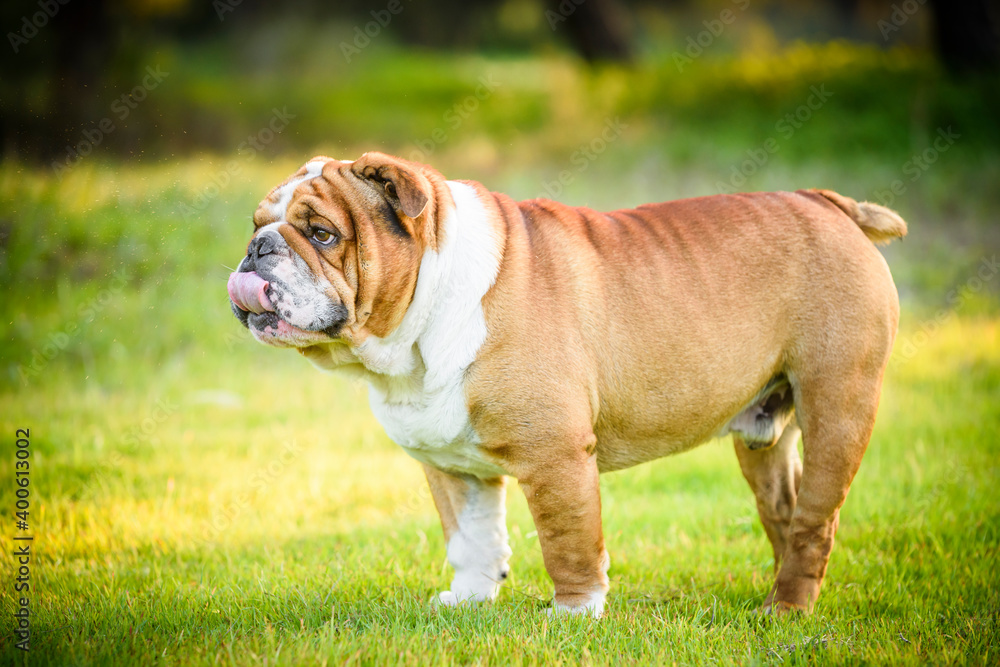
(402, 181)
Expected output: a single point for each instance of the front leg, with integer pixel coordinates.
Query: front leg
(565, 501)
(473, 515)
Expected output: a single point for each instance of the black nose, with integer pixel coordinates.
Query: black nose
(260, 246)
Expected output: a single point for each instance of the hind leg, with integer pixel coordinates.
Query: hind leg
(836, 411)
(773, 475)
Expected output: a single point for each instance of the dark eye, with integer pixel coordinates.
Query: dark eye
(390, 188)
(322, 236)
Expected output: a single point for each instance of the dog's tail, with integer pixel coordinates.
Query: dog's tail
(880, 224)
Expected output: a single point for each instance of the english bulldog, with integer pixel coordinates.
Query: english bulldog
(552, 343)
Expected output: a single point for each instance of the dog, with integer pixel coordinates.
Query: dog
(552, 343)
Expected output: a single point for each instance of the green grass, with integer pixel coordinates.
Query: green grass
(198, 542)
(171, 526)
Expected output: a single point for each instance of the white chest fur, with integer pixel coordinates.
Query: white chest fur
(417, 373)
(434, 428)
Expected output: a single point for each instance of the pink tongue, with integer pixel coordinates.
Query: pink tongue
(246, 289)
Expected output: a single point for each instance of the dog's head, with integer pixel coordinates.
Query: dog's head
(336, 250)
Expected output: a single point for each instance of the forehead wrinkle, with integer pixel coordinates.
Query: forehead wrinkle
(274, 207)
(285, 193)
(274, 195)
(337, 167)
(335, 204)
(303, 189)
(363, 196)
(269, 210)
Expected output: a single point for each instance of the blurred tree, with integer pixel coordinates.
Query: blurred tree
(83, 46)
(69, 59)
(596, 28)
(966, 33)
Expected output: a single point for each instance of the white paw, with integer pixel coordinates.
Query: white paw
(582, 610)
(445, 599)
(452, 599)
(594, 607)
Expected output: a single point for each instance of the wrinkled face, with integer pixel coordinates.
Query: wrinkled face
(335, 251)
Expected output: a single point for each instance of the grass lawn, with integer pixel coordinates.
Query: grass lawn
(200, 499)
